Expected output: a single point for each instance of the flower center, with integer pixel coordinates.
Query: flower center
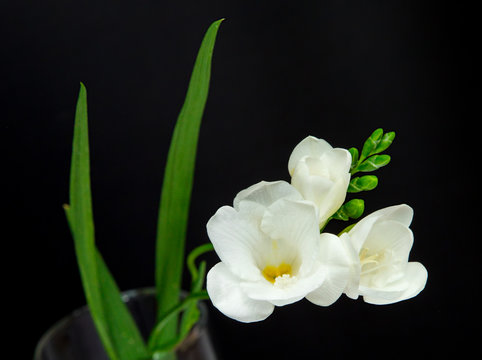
(370, 262)
(271, 272)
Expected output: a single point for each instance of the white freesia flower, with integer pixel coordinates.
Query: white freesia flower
(379, 246)
(272, 254)
(321, 174)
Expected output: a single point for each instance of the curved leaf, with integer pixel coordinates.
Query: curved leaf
(177, 186)
(117, 330)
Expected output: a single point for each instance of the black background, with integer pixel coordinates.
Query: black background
(281, 70)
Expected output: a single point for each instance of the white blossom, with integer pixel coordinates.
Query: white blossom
(379, 247)
(272, 254)
(321, 174)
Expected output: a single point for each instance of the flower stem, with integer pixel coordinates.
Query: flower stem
(194, 254)
(163, 320)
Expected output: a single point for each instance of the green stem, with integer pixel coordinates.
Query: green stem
(348, 228)
(194, 254)
(163, 320)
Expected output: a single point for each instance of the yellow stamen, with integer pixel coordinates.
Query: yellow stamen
(271, 272)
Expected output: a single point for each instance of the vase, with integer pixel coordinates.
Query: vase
(75, 336)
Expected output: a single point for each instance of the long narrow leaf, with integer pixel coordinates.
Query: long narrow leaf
(116, 328)
(177, 185)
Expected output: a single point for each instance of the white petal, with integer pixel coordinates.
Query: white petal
(333, 257)
(313, 188)
(334, 198)
(238, 242)
(401, 213)
(308, 147)
(293, 229)
(410, 285)
(265, 193)
(226, 295)
(391, 235)
(416, 276)
(324, 181)
(353, 259)
(380, 296)
(338, 161)
(282, 294)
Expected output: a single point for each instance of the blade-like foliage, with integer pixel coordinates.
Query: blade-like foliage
(177, 186)
(116, 328)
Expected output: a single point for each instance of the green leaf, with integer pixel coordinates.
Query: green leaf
(371, 144)
(373, 163)
(352, 209)
(116, 328)
(384, 142)
(364, 183)
(177, 186)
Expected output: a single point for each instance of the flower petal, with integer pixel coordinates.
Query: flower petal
(227, 296)
(353, 259)
(265, 193)
(380, 296)
(284, 293)
(412, 283)
(334, 259)
(393, 235)
(338, 161)
(238, 241)
(308, 147)
(324, 181)
(293, 229)
(333, 199)
(416, 275)
(401, 213)
(313, 188)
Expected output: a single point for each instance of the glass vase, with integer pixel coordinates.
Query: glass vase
(75, 336)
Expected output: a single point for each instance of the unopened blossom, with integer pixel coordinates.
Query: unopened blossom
(272, 254)
(321, 174)
(379, 247)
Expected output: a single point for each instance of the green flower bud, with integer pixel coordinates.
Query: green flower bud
(352, 209)
(385, 142)
(364, 183)
(373, 163)
(354, 157)
(371, 143)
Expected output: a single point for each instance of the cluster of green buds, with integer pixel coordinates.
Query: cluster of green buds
(370, 159)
